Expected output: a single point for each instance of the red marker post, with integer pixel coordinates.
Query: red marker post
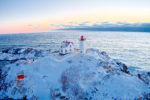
(20, 77)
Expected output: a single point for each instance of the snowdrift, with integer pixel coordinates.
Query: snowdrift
(49, 76)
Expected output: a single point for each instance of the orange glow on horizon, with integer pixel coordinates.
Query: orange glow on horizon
(40, 25)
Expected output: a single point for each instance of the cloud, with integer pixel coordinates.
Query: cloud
(72, 23)
(38, 26)
(84, 24)
(108, 26)
(34, 26)
(30, 25)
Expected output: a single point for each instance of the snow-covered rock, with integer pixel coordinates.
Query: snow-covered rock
(90, 76)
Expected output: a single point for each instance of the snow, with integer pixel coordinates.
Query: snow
(75, 76)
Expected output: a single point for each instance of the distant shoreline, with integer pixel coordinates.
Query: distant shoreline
(72, 31)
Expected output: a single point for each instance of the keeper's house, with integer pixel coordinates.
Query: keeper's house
(66, 47)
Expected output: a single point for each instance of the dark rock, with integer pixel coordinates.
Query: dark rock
(85, 98)
(0, 74)
(58, 95)
(66, 99)
(6, 98)
(144, 78)
(139, 76)
(11, 61)
(139, 98)
(103, 53)
(33, 98)
(124, 68)
(96, 89)
(6, 50)
(13, 91)
(109, 68)
(55, 52)
(70, 61)
(38, 53)
(148, 73)
(4, 62)
(27, 50)
(16, 51)
(3, 85)
(62, 97)
(22, 90)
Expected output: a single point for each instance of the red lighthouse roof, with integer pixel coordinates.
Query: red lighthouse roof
(82, 38)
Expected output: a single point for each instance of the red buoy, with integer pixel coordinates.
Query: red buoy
(20, 77)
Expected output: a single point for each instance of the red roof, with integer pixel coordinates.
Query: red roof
(82, 38)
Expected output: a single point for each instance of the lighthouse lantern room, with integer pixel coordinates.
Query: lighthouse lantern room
(82, 45)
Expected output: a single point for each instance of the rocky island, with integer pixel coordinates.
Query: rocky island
(49, 76)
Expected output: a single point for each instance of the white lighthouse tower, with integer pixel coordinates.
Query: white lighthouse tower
(82, 48)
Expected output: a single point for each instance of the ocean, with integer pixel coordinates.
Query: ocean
(131, 48)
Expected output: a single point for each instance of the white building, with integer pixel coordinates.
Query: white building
(82, 45)
(66, 47)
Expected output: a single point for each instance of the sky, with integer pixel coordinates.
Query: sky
(25, 16)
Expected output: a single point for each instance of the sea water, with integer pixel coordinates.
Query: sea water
(131, 48)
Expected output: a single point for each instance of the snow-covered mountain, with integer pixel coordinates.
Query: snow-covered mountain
(49, 76)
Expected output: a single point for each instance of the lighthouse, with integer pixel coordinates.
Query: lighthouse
(82, 48)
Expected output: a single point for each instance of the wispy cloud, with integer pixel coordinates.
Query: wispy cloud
(108, 26)
(34, 26)
(29, 25)
(38, 26)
